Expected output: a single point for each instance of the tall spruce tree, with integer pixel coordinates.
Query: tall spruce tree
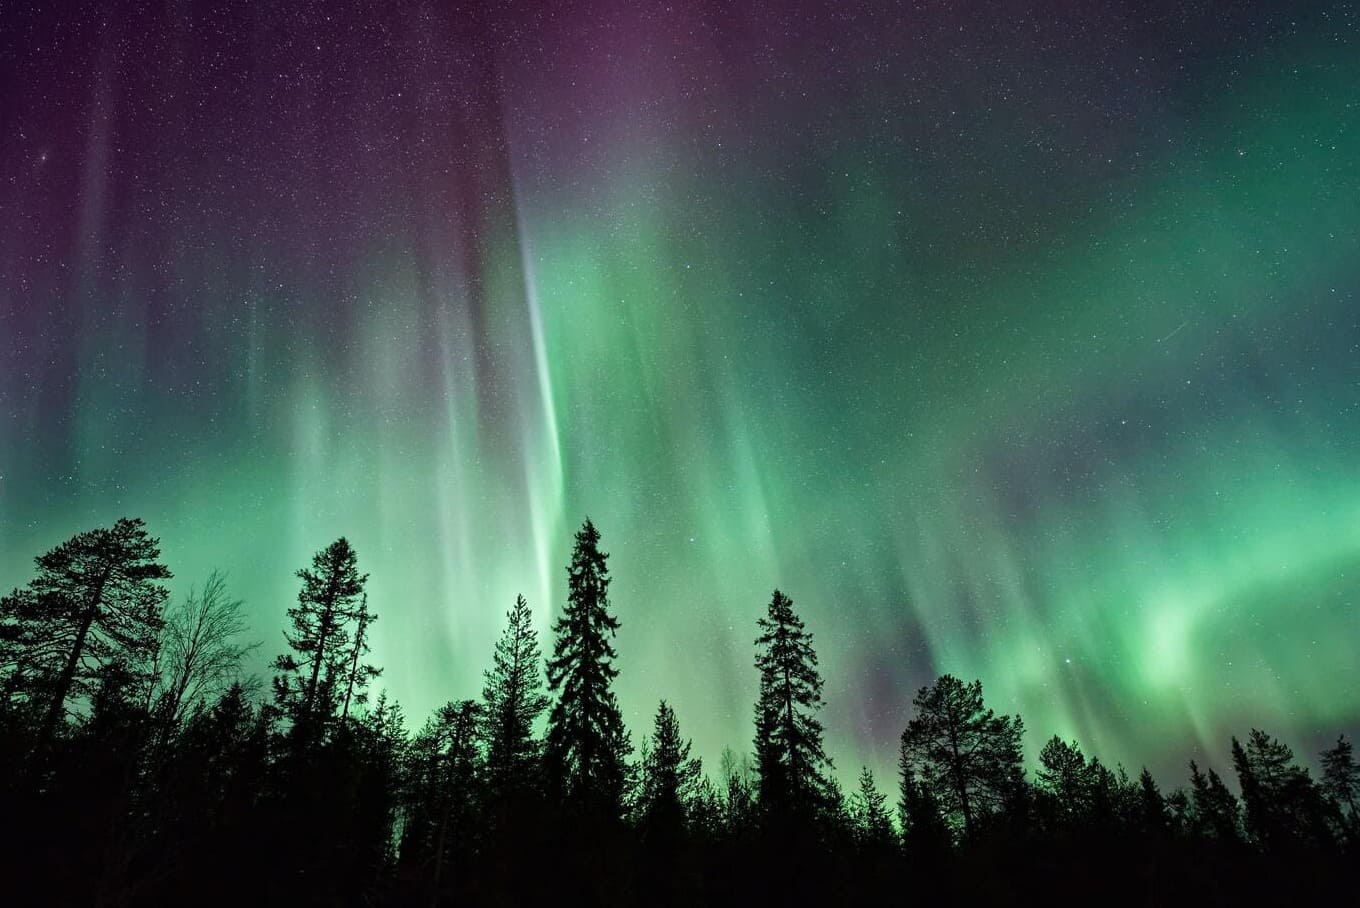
(966, 756)
(790, 762)
(586, 746)
(329, 604)
(513, 700)
(95, 601)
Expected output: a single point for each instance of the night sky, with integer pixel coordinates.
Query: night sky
(1019, 341)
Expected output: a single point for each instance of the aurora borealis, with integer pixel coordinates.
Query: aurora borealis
(1019, 341)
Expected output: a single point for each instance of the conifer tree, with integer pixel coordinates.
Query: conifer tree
(1283, 806)
(443, 807)
(1216, 811)
(95, 601)
(329, 604)
(358, 675)
(869, 813)
(1341, 778)
(790, 762)
(1152, 806)
(512, 700)
(586, 746)
(1064, 774)
(926, 837)
(964, 755)
(669, 777)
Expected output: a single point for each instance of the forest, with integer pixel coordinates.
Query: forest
(141, 765)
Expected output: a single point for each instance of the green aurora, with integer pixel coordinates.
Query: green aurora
(1060, 401)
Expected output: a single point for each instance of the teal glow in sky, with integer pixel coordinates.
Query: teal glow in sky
(1022, 346)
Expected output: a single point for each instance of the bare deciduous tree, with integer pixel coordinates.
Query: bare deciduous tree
(201, 648)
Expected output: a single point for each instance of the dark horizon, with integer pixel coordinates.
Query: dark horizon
(125, 717)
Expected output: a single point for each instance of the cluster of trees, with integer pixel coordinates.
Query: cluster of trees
(140, 767)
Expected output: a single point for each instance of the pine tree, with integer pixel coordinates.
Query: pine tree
(586, 746)
(966, 757)
(329, 603)
(95, 601)
(512, 700)
(1063, 773)
(790, 761)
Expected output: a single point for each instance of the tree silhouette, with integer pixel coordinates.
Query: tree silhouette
(359, 675)
(669, 777)
(443, 801)
(1152, 806)
(586, 744)
(165, 780)
(95, 601)
(1341, 784)
(789, 758)
(964, 755)
(1217, 813)
(869, 813)
(926, 837)
(329, 602)
(512, 700)
(200, 649)
(1065, 776)
(738, 793)
(1283, 806)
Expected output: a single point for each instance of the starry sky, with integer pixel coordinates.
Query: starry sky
(1014, 340)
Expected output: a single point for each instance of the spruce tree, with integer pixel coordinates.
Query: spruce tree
(790, 762)
(1152, 808)
(869, 813)
(95, 601)
(669, 778)
(1216, 813)
(1341, 778)
(512, 700)
(586, 744)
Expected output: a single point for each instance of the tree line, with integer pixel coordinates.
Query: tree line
(140, 766)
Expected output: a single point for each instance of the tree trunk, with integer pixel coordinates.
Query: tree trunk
(68, 672)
